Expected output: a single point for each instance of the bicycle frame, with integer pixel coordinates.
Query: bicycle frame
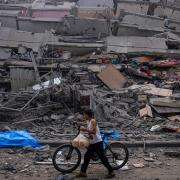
(107, 147)
(69, 153)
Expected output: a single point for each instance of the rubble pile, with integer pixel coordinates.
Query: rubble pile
(124, 92)
(122, 62)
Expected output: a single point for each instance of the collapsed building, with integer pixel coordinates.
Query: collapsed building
(119, 58)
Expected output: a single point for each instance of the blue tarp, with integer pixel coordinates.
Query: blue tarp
(17, 139)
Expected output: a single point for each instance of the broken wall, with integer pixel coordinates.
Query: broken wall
(130, 44)
(130, 30)
(12, 38)
(156, 9)
(81, 26)
(38, 26)
(96, 3)
(132, 7)
(170, 12)
(8, 21)
(93, 12)
(141, 20)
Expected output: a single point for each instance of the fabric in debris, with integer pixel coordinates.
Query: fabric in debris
(17, 139)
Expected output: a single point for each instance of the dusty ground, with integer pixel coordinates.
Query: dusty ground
(19, 164)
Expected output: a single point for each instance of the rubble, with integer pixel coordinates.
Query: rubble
(121, 59)
(138, 165)
(164, 102)
(146, 111)
(172, 153)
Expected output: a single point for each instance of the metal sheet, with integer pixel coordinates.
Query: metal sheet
(21, 78)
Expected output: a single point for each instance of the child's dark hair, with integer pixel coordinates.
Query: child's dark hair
(88, 112)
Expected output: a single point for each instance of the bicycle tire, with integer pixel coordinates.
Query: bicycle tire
(58, 150)
(121, 162)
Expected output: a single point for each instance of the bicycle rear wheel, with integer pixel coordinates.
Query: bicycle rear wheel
(66, 158)
(117, 154)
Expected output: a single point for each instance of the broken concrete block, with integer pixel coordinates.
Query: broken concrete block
(174, 118)
(167, 102)
(149, 159)
(112, 78)
(138, 165)
(146, 111)
(165, 110)
(142, 98)
(159, 92)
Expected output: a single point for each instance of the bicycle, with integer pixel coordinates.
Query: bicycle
(67, 158)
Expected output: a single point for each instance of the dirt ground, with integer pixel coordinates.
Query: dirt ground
(19, 164)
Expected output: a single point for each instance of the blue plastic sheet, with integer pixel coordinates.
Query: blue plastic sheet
(17, 139)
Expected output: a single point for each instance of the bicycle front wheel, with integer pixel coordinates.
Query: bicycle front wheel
(117, 154)
(66, 158)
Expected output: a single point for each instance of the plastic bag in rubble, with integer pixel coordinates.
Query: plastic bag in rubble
(155, 128)
(80, 141)
(17, 139)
